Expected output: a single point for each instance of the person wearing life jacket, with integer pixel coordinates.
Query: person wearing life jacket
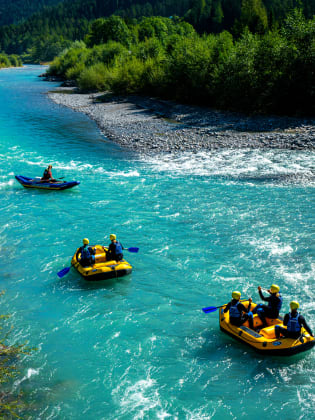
(86, 254)
(294, 321)
(47, 175)
(115, 249)
(238, 312)
(274, 304)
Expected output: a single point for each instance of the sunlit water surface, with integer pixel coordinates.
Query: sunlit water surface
(205, 223)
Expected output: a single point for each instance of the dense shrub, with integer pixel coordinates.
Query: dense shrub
(4, 61)
(68, 59)
(12, 60)
(127, 77)
(105, 53)
(93, 78)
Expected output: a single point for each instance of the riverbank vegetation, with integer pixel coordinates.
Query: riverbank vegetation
(269, 72)
(247, 55)
(11, 60)
(45, 34)
(11, 401)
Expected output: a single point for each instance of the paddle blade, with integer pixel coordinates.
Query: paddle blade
(133, 249)
(63, 272)
(209, 309)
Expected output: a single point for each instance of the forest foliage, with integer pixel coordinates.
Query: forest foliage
(53, 27)
(271, 72)
(10, 60)
(14, 11)
(249, 55)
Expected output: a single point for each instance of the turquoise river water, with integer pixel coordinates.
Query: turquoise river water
(206, 224)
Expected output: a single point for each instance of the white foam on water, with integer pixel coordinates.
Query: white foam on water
(140, 397)
(281, 250)
(170, 216)
(260, 164)
(4, 227)
(163, 415)
(5, 185)
(272, 247)
(32, 372)
(35, 160)
(134, 173)
(29, 373)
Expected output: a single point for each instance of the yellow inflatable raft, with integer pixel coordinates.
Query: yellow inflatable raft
(264, 340)
(102, 269)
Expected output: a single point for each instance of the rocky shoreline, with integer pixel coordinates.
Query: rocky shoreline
(145, 124)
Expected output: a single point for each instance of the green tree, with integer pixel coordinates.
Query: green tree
(254, 16)
(113, 28)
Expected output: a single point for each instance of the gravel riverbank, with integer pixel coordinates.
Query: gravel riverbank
(145, 124)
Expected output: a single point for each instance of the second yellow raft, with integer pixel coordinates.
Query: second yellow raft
(102, 269)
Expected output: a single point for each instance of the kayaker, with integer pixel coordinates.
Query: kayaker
(294, 322)
(274, 304)
(115, 249)
(87, 254)
(47, 175)
(238, 312)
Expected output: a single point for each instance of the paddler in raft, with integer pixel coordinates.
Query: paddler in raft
(274, 304)
(47, 175)
(238, 312)
(87, 254)
(115, 249)
(294, 322)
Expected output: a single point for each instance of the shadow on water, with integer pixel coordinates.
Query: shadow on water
(37, 191)
(38, 394)
(289, 178)
(217, 346)
(75, 283)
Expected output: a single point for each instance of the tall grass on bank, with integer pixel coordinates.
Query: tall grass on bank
(269, 73)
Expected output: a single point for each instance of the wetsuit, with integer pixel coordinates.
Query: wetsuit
(294, 322)
(115, 251)
(270, 311)
(87, 255)
(237, 315)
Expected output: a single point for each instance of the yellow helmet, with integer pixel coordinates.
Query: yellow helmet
(236, 295)
(294, 304)
(274, 288)
(112, 236)
(86, 241)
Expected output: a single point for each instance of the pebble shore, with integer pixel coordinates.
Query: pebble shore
(147, 125)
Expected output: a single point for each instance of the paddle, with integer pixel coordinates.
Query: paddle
(63, 272)
(131, 249)
(211, 309)
(214, 308)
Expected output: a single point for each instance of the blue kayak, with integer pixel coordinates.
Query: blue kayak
(44, 185)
